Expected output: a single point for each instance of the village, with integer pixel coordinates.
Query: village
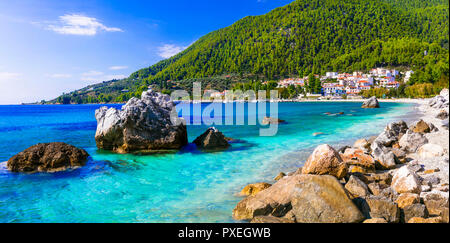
(336, 84)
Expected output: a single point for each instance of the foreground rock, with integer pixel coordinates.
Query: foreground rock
(211, 139)
(322, 199)
(406, 180)
(371, 103)
(411, 141)
(48, 157)
(271, 120)
(270, 220)
(142, 125)
(430, 150)
(325, 160)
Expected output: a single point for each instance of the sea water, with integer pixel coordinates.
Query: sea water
(188, 186)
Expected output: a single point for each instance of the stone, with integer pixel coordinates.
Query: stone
(421, 127)
(444, 215)
(275, 200)
(325, 160)
(372, 102)
(435, 201)
(253, 189)
(384, 159)
(414, 210)
(425, 221)
(271, 120)
(356, 187)
(391, 134)
(405, 180)
(425, 188)
(379, 207)
(430, 150)
(212, 139)
(270, 219)
(360, 160)
(362, 144)
(279, 176)
(443, 114)
(381, 178)
(375, 221)
(406, 199)
(48, 157)
(145, 125)
(412, 141)
(377, 188)
(400, 154)
(322, 199)
(431, 171)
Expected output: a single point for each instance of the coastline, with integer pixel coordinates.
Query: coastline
(430, 171)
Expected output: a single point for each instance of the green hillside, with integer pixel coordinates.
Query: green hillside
(306, 36)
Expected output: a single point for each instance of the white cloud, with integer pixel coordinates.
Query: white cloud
(7, 76)
(59, 75)
(117, 67)
(75, 24)
(169, 50)
(98, 79)
(92, 73)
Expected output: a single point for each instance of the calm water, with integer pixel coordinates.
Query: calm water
(189, 186)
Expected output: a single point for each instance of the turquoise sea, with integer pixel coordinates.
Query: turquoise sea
(189, 186)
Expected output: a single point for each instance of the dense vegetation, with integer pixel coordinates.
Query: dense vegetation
(304, 37)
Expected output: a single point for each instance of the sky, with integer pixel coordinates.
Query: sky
(48, 47)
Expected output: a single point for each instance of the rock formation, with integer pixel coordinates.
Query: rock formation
(211, 139)
(48, 157)
(142, 125)
(372, 102)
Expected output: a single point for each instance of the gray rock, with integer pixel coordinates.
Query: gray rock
(411, 141)
(443, 114)
(148, 124)
(384, 158)
(414, 210)
(372, 102)
(211, 139)
(379, 207)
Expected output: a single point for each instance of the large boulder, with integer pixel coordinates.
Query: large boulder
(275, 200)
(435, 201)
(406, 180)
(211, 139)
(149, 124)
(414, 210)
(325, 160)
(411, 141)
(406, 199)
(371, 103)
(322, 199)
(430, 150)
(48, 157)
(253, 189)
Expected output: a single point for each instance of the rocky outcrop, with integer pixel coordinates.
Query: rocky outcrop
(371, 103)
(421, 127)
(149, 124)
(391, 134)
(48, 157)
(379, 207)
(441, 101)
(325, 160)
(211, 139)
(271, 120)
(253, 189)
(322, 199)
(358, 161)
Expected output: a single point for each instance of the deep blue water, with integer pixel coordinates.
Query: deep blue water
(189, 186)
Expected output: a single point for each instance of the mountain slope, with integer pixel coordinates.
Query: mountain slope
(306, 36)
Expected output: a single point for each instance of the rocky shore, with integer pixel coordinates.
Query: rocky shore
(399, 176)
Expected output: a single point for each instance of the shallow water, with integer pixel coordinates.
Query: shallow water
(189, 186)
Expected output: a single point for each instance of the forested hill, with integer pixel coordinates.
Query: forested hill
(306, 36)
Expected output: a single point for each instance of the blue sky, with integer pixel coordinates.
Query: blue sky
(50, 47)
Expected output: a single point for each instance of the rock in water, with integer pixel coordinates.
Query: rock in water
(211, 139)
(371, 103)
(253, 189)
(48, 157)
(325, 160)
(142, 125)
(271, 120)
